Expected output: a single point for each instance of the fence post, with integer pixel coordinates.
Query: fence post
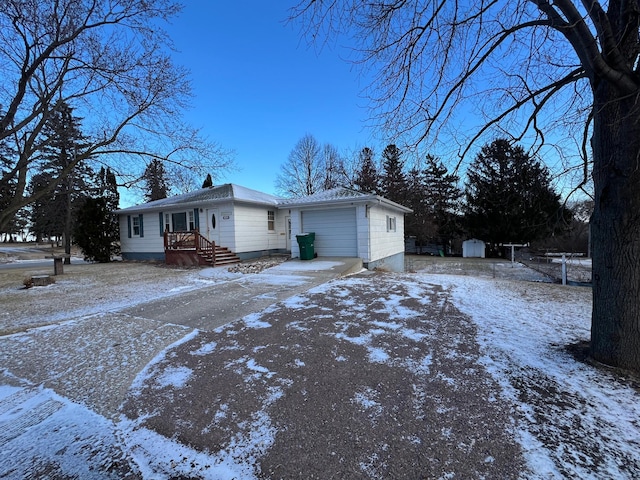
(564, 269)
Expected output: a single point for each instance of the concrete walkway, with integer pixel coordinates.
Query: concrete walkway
(209, 308)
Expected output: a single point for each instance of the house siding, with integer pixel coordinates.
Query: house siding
(362, 228)
(242, 224)
(150, 246)
(387, 247)
(252, 232)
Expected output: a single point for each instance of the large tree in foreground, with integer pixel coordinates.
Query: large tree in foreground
(110, 61)
(537, 64)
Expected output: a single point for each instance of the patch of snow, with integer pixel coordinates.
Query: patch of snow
(150, 369)
(522, 329)
(302, 266)
(205, 349)
(253, 321)
(175, 377)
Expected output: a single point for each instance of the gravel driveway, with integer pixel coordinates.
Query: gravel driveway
(369, 376)
(365, 378)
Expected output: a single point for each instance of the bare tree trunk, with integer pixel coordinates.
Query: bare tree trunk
(615, 229)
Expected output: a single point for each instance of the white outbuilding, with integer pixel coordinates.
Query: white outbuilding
(473, 248)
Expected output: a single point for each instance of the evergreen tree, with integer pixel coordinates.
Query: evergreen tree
(509, 196)
(46, 218)
(208, 182)
(442, 198)
(155, 181)
(367, 178)
(421, 223)
(97, 230)
(107, 187)
(7, 188)
(393, 181)
(66, 181)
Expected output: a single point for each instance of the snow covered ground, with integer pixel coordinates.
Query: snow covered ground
(569, 418)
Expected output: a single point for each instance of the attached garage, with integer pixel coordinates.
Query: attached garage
(335, 229)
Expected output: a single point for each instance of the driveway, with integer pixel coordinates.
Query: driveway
(319, 376)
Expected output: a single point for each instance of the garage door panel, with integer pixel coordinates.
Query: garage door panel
(335, 231)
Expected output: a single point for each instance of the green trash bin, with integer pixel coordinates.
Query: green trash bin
(305, 242)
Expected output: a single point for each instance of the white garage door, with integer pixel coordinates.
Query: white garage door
(335, 231)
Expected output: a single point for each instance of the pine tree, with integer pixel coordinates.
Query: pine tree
(393, 181)
(107, 188)
(208, 182)
(442, 197)
(420, 223)
(155, 181)
(8, 187)
(46, 218)
(97, 230)
(509, 196)
(54, 213)
(367, 178)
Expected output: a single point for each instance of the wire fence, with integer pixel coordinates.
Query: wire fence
(578, 267)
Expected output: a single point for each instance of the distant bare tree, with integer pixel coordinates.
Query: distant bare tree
(335, 170)
(110, 61)
(528, 66)
(302, 173)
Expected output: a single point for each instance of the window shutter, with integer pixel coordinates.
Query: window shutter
(141, 227)
(196, 219)
(161, 223)
(129, 226)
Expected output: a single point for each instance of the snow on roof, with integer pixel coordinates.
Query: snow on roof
(233, 192)
(227, 191)
(339, 195)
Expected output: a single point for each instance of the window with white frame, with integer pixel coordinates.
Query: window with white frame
(192, 223)
(271, 220)
(391, 224)
(167, 222)
(135, 225)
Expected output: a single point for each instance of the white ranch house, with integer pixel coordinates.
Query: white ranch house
(229, 223)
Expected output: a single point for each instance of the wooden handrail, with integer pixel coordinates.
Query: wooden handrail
(190, 240)
(205, 247)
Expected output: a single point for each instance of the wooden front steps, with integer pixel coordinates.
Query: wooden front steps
(224, 256)
(191, 248)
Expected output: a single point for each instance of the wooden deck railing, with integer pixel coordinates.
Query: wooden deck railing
(191, 240)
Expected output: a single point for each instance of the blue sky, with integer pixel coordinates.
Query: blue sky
(259, 88)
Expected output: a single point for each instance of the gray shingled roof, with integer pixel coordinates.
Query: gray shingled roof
(220, 193)
(233, 192)
(337, 196)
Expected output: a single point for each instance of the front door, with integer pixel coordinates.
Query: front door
(213, 225)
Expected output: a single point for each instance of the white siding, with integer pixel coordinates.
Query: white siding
(335, 231)
(385, 243)
(364, 241)
(151, 242)
(252, 232)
